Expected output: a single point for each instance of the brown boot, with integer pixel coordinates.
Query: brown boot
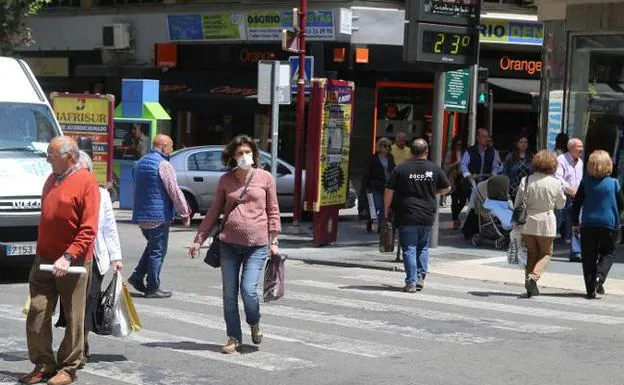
(37, 376)
(62, 378)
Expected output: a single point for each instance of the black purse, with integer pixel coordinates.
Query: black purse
(519, 216)
(105, 313)
(213, 258)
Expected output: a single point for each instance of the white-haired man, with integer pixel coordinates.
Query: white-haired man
(570, 173)
(70, 204)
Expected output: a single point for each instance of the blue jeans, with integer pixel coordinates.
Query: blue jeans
(414, 242)
(252, 260)
(153, 256)
(378, 199)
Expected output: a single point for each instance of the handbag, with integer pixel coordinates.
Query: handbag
(386, 237)
(213, 258)
(519, 215)
(105, 312)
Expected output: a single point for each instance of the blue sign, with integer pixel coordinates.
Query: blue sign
(185, 27)
(555, 115)
(294, 72)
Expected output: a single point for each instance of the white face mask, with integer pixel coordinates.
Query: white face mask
(245, 161)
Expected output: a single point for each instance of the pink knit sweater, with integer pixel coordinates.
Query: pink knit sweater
(251, 221)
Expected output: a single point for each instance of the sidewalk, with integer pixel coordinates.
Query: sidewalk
(454, 257)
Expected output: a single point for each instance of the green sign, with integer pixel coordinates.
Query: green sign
(221, 26)
(457, 91)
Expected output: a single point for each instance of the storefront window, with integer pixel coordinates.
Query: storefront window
(595, 99)
(403, 107)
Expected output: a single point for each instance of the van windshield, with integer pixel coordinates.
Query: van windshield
(26, 126)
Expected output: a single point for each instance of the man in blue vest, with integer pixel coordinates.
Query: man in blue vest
(481, 161)
(157, 197)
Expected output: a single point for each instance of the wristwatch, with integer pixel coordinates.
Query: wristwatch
(68, 257)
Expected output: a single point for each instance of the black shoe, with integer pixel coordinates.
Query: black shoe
(137, 285)
(576, 258)
(531, 287)
(158, 294)
(600, 289)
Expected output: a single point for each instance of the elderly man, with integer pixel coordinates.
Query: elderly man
(67, 231)
(154, 204)
(400, 152)
(482, 160)
(570, 173)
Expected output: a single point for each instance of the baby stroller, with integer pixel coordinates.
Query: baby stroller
(494, 211)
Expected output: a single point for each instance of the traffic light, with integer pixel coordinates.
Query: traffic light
(483, 89)
(482, 94)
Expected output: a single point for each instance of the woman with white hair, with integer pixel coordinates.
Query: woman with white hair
(106, 253)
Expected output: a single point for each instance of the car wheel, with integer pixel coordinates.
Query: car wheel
(191, 204)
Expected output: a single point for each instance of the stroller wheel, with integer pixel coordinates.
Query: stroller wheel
(500, 243)
(476, 240)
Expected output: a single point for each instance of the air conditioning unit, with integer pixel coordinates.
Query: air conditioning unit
(116, 36)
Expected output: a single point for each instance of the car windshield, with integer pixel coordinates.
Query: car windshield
(25, 126)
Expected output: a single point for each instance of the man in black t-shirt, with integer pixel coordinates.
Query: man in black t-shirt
(415, 184)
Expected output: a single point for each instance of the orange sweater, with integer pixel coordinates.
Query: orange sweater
(69, 217)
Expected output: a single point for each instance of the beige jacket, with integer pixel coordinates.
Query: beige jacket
(544, 195)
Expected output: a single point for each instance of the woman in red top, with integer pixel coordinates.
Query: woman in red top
(249, 234)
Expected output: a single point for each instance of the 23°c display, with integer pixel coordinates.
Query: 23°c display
(447, 43)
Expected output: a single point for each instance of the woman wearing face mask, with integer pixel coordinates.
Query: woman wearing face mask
(249, 234)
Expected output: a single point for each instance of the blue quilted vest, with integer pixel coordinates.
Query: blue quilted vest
(151, 201)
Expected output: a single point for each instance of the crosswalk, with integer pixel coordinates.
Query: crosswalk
(326, 322)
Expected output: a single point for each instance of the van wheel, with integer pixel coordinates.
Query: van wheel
(191, 204)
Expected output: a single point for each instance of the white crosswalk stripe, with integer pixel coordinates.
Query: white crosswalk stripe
(316, 322)
(350, 322)
(468, 303)
(282, 333)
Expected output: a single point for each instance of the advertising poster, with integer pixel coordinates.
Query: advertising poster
(89, 120)
(555, 115)
(132, 140)
(268, 25)
(335, 143)
(210, 26)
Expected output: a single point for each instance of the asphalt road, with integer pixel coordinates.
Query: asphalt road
(344, 326)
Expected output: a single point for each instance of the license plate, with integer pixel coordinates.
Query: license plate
(21, 249)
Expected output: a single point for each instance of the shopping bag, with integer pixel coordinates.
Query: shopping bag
(105, 312)
(26, 306)
(274, 278)
(126, 318)
(135, 321)
(386, 238)
(517, 252)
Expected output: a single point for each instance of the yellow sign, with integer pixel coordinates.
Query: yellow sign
(49, 66)
(335, 144)
(89, 120)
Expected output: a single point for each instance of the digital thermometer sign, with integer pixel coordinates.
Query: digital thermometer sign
(443, 44)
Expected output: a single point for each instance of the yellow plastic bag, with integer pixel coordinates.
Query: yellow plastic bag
(26, 307)
(135, 321)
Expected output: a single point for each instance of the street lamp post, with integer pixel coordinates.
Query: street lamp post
(299, 134)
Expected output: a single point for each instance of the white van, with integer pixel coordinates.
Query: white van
(27, 124)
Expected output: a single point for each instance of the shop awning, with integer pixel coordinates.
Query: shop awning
(521, 86)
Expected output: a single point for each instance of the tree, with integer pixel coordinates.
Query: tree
(14, 30)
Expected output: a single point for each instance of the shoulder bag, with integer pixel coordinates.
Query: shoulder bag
(212, 255)
(519, 215)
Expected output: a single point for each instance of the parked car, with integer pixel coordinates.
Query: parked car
(199, 168)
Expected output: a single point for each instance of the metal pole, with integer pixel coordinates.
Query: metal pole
(491, 112)
(300, 114)
(274, 118)
(436, 148)
(472, 113)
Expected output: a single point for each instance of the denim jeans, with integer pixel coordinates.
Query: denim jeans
(251, 258)
(153, 256)
(414, 242)
(378, 199)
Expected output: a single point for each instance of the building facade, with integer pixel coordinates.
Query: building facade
(205, 55)
(583, 77)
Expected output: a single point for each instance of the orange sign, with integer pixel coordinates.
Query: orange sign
(508, 64)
